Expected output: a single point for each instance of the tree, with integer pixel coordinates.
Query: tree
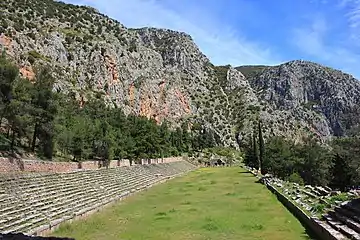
(164, 140)
(45, 109)
(280, 158)
(255, 153)
(261, 148)
(8, 74)
(19, 111)
(252, 153)
(346, 170)
(316, 163)
(341, 174)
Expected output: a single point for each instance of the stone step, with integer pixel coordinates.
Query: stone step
(27, 225)
(48, 199)
(348, 213)
(335, 233)
(344, 229)
(347, 221)
(351, 208)
(17, 221)
(13, 212)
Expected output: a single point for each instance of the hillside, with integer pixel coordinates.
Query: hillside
(163, 75)
(155, 73)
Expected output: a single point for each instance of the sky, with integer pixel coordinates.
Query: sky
(253, 32)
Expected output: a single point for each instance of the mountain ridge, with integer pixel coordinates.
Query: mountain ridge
(162, 74)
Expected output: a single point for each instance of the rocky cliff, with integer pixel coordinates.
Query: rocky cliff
(302, 98)
(162, 74)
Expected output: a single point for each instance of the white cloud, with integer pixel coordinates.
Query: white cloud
(353, 13)
(316, 40)
(352, 16)
(222, 44)
(310, 39)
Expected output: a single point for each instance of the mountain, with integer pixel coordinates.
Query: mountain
(306, 95)
(162, 74)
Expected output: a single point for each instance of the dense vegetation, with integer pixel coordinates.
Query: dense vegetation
(35, 118)
(336, 165)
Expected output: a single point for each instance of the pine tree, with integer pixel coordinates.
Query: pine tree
(341, 178)
(255, 152)
(8, 74)
(45, 108)
(261, 149)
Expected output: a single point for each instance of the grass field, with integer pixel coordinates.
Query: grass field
(211, 203)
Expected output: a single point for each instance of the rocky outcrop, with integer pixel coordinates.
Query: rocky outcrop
(315, 96)
(27, 72)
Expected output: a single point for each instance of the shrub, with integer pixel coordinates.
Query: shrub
(31, 35)
(31, 59)
(37, 55)
(296, 178)
(319, 208)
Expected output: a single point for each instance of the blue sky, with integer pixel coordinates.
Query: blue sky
(242, 32)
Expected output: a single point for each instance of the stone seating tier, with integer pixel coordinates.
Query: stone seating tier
(345, 219)
(33, 202)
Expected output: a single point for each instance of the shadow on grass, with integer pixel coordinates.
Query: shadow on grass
(20, 236)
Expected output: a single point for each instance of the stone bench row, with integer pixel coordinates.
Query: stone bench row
(43, 200)
(345, 218)
(60, 179)
(63, 181)
(79, 199)
(79, 208)
(37, 200)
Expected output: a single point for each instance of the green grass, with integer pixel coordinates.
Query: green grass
(212, 203)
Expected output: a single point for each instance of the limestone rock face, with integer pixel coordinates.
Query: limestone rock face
(162, 74)
(311, 96)
(235, 79)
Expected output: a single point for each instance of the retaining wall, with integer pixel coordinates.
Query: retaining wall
(161, 160)
(8, 165)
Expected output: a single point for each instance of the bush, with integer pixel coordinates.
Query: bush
(319, 208)
(31, 59)
(341, 198)
(296, 178)
(35, 55)
(31, 35)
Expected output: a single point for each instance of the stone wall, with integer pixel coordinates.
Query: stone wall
(19, 165)
(161, 160)
(11, 165)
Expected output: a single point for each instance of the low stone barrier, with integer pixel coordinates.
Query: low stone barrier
(161, 160)
(8, 165)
